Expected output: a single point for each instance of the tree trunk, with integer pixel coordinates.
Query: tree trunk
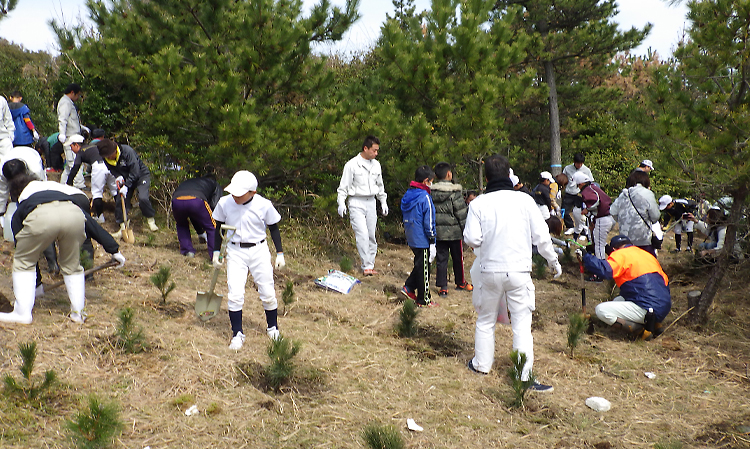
(699, 314)
(554, 120)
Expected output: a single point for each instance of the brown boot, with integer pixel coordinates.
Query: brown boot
(634, 329)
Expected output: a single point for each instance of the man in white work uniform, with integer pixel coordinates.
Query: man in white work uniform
(69, 124)
(362, 183)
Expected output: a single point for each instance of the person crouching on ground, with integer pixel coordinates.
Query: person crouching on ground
(505, 224)
(44, 216)
(450, 218)
(642, 282)
(247, 251)
(419, 226)
(193, 201)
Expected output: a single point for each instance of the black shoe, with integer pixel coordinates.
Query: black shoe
(470, 365)
(540, 388)
(676, 250)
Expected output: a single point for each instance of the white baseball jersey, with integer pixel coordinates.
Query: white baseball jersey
(250, 219)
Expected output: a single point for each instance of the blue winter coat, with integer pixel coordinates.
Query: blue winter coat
(23, 136)
(419, 218)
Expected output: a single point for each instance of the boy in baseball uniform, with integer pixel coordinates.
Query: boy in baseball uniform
(247, 250)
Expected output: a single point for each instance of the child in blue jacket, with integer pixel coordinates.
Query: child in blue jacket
(419, 224)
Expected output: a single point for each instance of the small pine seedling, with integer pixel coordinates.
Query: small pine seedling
(576, 328)
(281, 351)
(540, 266)
(378, 436)
(287, 296)
(161, 281)
(346, 265)
(129, 336)
(86, 261)
(28, 390)
(407, 324)
(568, 255)
(520, 387)
(95, 426)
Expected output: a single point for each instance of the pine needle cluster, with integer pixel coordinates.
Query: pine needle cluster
(28, 389)
(128, 336)
(407, 324)
(287, 296)
(96, 425)
(576, 328)
(161, 281)
(281, 351)
(520, 387)
(539, 266)
(346, 265)
(378, 436)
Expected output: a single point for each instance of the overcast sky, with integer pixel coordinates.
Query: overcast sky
(27, 24)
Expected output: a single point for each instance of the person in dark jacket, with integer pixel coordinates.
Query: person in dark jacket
(130, 174)
(25, 133)
(679, 210)
(194, 201)
(643, 285)
(419, 224)
(100, 175)
(450, 218)
(542, 195)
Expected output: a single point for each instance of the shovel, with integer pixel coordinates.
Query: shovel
(207, 304)
(127, 233)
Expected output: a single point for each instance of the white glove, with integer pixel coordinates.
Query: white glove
(124, 191)
(35, 134)
(62, 138)
(579, 253)
(217, 259)
(342, 210)
(433, 252)
(85, 128)
(384, 208)
(119, 258)
(280, 263)
(558, 269)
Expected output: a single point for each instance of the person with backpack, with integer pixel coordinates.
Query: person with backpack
(25, 134)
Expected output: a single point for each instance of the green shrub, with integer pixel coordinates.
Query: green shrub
(540, 266)
(27, 389)
(128, 336)
(346, 265)
(520, 387)
(577, 326)
(287, 297)
(95, 426)
(161, 281)
(281, 351)
(407, 324)
(378, 436)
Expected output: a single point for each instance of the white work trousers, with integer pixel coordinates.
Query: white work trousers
(70, 158)
(100, 178)
(6, 145)
(544, 210)
(518, 290)
(256, 260)
(602, 226)
(610, 311)
(364, 217)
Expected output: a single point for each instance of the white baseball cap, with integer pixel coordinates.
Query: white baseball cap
(75, 138)
(664, 202)
(581, 177)
(648, 163)
(242, 182)
(547, 175)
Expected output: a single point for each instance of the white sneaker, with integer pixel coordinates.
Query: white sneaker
(202, 238)
(100, 219)
(273, 333)
(237, 341)
(583, 237)
(570, 231)
(78, 318)
(152, 224)
(190, 255)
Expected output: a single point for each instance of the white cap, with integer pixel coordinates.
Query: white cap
(242, 182)
(664, 202)
(580, 177)
(648, 163)
(514, 179)
(75, 138)
(547, 175)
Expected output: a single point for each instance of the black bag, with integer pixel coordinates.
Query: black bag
(655, 242)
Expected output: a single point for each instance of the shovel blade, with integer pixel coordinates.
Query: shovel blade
(207, 305)
(128, 236)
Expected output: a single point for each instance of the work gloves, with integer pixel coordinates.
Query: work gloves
(558, 269)
(433, 252)
(62, 138)
(384, 208)
(124, 191)
(217, 259)
(280, 262)
(36, 135)
(579, 253)
(120, 183)
(342, 210)
(118, 257)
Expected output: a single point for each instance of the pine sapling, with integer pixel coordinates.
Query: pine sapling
(281, 351)
(86, 261)
(346, 265)
(540, 266)
(161, 281)
(576, 328)
(96, 425)
(128, 336)
(407, 324)
(378, 436)
(287, 296)
(28, 390)
(520, 387)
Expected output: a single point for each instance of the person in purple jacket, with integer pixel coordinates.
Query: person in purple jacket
(596, 206)
(419, 224)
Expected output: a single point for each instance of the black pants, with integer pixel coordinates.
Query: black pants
(568, 203)
(455, 249)
(144, 202)
(419, 279)
(56, 159)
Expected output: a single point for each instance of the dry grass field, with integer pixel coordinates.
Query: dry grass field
(353, 369)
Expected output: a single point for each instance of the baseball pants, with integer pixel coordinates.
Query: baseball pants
(610, 311)
(101, 178)
(602, 226)
(364, 217)
(70, 158)
(191, 209)
(256, 260)
(519, 292)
